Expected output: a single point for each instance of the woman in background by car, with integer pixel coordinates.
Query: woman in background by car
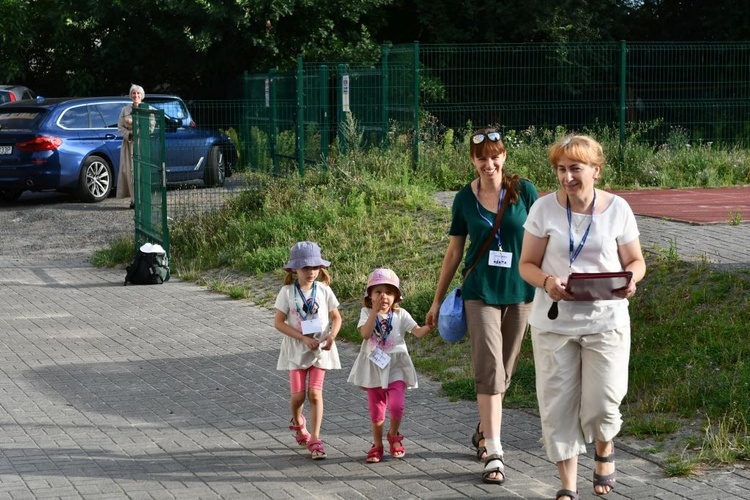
(125, 126)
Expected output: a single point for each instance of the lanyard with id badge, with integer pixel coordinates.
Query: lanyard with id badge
(573, 251)
(497, 258)
(381, 333)
(309, 314)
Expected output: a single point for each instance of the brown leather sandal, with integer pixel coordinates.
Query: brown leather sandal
(477, 438)
(493, 464)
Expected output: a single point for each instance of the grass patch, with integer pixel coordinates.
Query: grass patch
(120, 251)
(681, 466)
(658, 426)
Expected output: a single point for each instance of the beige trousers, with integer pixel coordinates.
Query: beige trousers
(581, 381)
(496, 334)
(125, 188)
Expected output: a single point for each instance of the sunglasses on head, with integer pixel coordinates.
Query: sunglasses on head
(479, 138)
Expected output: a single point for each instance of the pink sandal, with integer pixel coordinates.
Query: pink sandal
(316, 445)
(301, 434)
(375, 455)
(397, 449)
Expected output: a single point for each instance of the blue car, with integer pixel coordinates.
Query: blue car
(73, 145)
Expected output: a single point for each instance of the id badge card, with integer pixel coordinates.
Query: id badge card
(311, 326)
(500, 258)
(380, 358)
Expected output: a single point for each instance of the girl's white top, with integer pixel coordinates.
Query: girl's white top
(365, 373)
(294, 353)
(615, 226)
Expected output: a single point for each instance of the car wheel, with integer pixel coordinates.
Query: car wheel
(216, 168)
(95, 182)
(231, 160)
(10, 194)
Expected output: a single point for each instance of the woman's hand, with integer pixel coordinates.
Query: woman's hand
(555, 288)
(432, 316)
(626, 291)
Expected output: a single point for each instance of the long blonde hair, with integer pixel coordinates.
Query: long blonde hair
(323, 277)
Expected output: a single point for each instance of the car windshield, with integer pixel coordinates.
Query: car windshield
(19, 120)
(173, 108)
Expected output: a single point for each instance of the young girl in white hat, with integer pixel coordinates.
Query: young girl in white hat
(307, 314)
(383, 366)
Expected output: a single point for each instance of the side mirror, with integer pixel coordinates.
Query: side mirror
(172, 124)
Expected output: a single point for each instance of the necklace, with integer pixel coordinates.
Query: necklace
(578, 223)
(579, 218)
(572, 250)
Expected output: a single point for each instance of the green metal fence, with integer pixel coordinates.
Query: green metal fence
(149, 178)
(701, 90)
(290, 121)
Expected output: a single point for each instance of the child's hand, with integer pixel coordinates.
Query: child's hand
(327, 343)
(382, 303)
(310, 342)
(421, 331)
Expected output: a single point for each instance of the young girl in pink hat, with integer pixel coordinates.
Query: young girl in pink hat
(307, 313)
(383, 366)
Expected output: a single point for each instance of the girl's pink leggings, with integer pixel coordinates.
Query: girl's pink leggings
(392, 398)
(297, 379)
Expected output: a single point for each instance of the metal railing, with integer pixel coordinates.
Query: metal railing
(289, 121)
(149, 178)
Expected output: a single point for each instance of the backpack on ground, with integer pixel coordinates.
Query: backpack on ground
(150, 266)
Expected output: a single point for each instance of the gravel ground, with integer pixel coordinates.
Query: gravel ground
(56, 226)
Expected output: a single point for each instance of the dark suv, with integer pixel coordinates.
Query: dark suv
(73, 145)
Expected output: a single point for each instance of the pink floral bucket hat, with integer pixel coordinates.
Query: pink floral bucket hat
(383, 276)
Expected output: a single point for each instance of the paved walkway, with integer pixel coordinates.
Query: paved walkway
(171, 391)
(721, 245)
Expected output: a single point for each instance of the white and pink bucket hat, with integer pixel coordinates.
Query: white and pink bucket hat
(383, 276)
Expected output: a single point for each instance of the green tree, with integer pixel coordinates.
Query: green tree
(465, 21)
(14, 20)
(195, 47)
(691, 20)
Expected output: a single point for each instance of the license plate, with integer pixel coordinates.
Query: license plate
(6, 150)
